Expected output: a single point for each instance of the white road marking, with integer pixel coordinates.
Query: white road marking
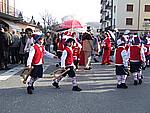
(45, 67)
(11, 72)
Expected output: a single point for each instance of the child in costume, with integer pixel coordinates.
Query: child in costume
(67, 62)
(121, 63)
(137, 57)
(36, 61)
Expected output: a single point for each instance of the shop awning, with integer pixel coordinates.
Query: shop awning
(12, 25)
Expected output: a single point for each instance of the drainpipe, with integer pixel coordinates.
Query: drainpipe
(139, 15)
(112, 14)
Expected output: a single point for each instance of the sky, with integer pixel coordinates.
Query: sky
(82, 10)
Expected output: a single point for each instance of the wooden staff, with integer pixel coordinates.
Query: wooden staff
(25, 76)
(59, 72)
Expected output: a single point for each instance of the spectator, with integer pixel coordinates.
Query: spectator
(87, 48)
(6, 46)
(29, 43)
(21, 47)
(106, 50)
(48, 41)
(15, 47)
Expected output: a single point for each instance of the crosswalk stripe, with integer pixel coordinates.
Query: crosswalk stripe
(45, 67)
(11, 72)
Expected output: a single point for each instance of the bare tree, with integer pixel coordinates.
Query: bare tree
(48, 20)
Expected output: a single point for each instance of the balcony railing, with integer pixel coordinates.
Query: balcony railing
(102, 11)
(102, 21)
(108, 17)
(108, 6)
(103, 1)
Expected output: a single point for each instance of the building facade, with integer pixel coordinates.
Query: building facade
(133, 15)
(7, 7)
(12, 18)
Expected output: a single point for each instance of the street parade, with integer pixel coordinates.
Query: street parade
(48, 66)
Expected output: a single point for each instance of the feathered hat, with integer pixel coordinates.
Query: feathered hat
(136, 40)
(37, 36)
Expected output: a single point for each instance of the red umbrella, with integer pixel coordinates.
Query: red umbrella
(71, 24)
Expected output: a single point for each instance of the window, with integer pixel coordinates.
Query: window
(147, 8)
(129, 8)
(147, 21)
(129, 21)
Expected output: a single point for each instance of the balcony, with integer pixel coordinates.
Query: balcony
(108, 6)
(9, 12)
(102, 21)
(103, 11)
(103, 1)
(108, 28)
(108, 17)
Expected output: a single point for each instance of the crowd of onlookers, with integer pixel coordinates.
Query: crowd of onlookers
(9, 47)
(15, 45)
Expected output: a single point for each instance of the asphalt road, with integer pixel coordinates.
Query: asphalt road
(99, 94)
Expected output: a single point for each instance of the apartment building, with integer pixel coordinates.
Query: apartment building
(7, 7)
(133, 15)
(12, 18)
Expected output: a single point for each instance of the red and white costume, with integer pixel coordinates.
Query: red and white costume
(67, 57)
(137, 56)
(121, 63)
(107, 49)
(36, 55)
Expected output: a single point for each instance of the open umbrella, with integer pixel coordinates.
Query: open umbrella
(71, 24)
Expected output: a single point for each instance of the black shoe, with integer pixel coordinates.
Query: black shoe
(6, 68)
(142, 77)
(57, 65)
(29, 90)
(119, 85)
(124, 86)
(1, 68)
(140, 81)
(55, 84)
(135, 82)
(76, 88)
(95, 60)
(87, 68)
(32, 87)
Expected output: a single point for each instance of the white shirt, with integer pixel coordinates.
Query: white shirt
(63, 58)
(31, 55)
(28, 45)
